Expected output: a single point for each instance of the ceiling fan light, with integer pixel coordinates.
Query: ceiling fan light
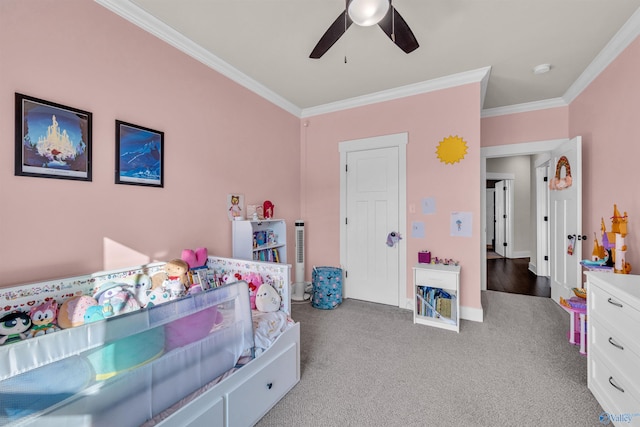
(367, 12)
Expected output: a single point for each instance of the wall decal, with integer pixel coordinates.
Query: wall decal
(451, 149)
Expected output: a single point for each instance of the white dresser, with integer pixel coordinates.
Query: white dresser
(613, 316)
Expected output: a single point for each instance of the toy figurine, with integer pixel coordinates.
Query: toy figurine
(13, 327)
(267, 208)
(43, 318)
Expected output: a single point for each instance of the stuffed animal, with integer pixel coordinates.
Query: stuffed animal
(196, 260)
(72, 311)
(173, 278)
(116, 298)
(14, 327)
(157, 296)
(254, 280)
(43, 318)
(267, 299)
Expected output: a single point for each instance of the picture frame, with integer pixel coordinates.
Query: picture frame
(51, 140)
(139, 155)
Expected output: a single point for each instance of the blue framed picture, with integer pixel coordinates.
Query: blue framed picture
(139, 155)
(52, 140)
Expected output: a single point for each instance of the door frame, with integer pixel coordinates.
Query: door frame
(399, 141)
(520, 149)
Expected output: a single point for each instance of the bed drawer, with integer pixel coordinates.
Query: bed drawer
(199, 412)
(253, 398)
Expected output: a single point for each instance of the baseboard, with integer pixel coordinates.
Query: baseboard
(520, 254)
(532, 268)
(472, 313)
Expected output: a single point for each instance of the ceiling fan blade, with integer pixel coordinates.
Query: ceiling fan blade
(394, 26)
(335, 31)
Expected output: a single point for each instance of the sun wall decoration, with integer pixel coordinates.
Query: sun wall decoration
(451, 149)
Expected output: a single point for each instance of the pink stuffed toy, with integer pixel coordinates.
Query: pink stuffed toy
(254, 280)
(196, 260)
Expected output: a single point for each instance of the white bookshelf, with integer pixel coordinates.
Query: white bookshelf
(244, 245)
(431, 283)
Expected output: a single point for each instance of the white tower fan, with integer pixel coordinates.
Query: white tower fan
(297, 293)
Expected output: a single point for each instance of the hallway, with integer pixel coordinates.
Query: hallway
(513, 276)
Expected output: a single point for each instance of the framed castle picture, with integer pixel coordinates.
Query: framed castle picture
(139, 155)
(51, 140)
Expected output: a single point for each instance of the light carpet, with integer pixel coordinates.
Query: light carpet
(366, 364)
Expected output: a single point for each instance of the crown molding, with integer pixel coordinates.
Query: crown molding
(620, 41)
(524, 108)
(149, 23)
(474, 76)
(136, 15)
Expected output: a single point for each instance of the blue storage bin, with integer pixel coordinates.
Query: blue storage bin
(327, 287)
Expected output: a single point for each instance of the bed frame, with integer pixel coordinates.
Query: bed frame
(240, 397)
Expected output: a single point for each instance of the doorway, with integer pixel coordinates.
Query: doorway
(542, 149)
(370, 209)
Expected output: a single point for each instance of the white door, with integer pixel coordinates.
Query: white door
(500, 225)
(565, 218)
(372, 202)
(542, 220)
(491, 221)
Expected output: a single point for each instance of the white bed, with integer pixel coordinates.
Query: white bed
(228, 377)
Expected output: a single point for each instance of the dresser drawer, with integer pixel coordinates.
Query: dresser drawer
(435, 279)
(253, 398)
(616, 350)
(612, 389)
(613, 311)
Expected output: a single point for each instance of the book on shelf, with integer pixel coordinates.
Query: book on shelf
(434, 302)
(269, 255)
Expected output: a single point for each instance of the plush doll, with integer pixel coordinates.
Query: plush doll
(196, 260)
(14, 327)
(254, 280)
(116, 298)
(173, 278)
(157, 296)
(43, 318)
(72, 311)
(267, 299)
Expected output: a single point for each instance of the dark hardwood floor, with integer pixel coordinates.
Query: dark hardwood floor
(513, 276)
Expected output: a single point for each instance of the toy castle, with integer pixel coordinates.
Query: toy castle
(613, 249)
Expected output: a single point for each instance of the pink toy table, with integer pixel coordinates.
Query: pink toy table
(578, 318)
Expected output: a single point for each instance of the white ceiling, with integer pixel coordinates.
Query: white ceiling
(265, 45)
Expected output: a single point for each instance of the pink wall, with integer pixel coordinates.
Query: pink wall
(219, 138)
(607, 114)
(540, 125)
(427, 118)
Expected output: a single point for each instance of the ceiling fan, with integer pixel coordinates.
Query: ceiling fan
(366, 13)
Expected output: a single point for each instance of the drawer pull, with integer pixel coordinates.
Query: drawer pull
(617, 304)
(269, 385)
(615, 385)
(615, 344)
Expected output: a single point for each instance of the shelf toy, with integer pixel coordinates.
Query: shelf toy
(611, 253)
